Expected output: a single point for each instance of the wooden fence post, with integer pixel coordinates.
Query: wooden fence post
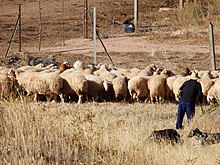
(94, 34)
(40, 26)
(13, 34)
(85, 23)
(212, 47)
(19, 15)
(63, 36)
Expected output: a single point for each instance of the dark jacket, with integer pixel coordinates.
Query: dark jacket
(190, 90)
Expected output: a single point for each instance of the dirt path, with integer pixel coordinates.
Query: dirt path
(124, 44)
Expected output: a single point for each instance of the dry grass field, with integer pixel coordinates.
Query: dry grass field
(107, 133)
(100, 133)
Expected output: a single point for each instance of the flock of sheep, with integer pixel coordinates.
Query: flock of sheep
(81, 83)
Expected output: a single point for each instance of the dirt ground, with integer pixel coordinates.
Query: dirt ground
(158, 39)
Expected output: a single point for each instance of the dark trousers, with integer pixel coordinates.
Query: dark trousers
(184, 107)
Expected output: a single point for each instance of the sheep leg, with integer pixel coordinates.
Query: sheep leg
(155, 99)
(80, 99)
(151, 99)
(146, 100)
(62, 98)
(86, 98)
(1, 95)
(35, 97)
(29, 93)
(162, 99)
(134, 96)
(19, 93)
(138, 99)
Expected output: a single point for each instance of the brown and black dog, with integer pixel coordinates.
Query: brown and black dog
(166, 135)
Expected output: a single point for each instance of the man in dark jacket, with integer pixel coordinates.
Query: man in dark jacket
(190, 90)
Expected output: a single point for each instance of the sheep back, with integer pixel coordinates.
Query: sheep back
(138, 88)
(120, 88)
(157, 87)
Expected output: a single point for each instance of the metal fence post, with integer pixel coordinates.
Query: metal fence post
(136, 13)
(85, 23)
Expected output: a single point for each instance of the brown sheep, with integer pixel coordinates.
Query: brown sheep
(10, 86)
(95, 87)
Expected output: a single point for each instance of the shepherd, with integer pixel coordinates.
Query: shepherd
(190, 91)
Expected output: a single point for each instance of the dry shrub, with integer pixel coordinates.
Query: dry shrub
(197, 14)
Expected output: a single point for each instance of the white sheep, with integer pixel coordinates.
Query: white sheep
(157, 87)
(169, 88)
(214, 93)
(104, 73)
(80, 66)
(178, 83)
(125, 72)
(157, 71)
(206, 83)
(215, 73)
(166, 73)
(138, 88)
(120, 88)
(135, 71)
(148, 71)
(74, 83)
(102, 70)
(145, 73)
(45, 83)
(118, 73)
(41, 83)
(201, 73)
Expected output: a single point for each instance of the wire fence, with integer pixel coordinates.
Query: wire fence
(48, 23)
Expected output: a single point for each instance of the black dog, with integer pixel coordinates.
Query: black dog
(205, 138)
(167, 135)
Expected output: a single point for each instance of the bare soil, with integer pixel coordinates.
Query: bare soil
(158, 39)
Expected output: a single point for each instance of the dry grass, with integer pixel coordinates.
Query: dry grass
(99, 133)
(197, 15)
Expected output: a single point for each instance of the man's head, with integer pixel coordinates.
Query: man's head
(194, 75)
